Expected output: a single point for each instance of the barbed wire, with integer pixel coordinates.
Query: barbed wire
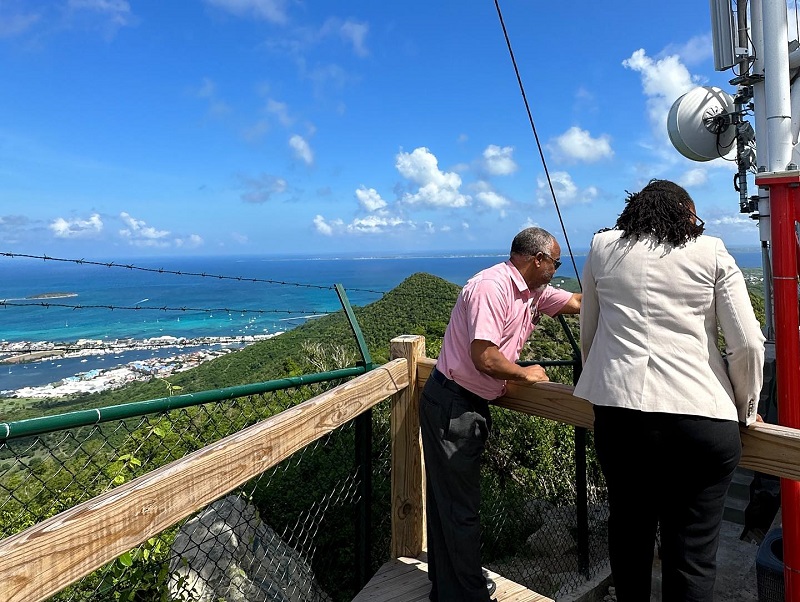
(129, 266)
(4, 303)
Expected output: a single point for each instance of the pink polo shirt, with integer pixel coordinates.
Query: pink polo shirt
(495, 305)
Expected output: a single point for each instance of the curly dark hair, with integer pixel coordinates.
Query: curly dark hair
(662, 209)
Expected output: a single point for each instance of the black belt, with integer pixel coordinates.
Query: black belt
(456, 388)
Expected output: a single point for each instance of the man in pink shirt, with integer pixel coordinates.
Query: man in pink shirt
(495, 314)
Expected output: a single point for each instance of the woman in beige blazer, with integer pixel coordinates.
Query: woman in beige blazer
(667, 403)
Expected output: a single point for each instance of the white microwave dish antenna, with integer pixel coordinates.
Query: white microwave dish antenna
(699, 124)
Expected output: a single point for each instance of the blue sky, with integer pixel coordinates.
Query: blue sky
(276, 126)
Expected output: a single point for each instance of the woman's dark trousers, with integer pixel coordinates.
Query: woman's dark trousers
(670, 470)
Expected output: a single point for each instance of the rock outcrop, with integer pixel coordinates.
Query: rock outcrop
(228, 553)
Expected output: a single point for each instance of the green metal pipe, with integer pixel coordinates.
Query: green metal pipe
(351, 318)
(59, 422)
(547, 363)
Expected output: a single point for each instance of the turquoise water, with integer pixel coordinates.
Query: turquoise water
(215, 306)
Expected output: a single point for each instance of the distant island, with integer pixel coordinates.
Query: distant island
(52, 296)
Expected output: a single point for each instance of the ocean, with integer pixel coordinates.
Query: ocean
(274, 294)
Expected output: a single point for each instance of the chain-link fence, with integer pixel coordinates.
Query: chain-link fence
(292, 533)
(544, 526)
(295, 532)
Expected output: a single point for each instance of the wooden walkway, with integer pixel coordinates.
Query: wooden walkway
(406, 580)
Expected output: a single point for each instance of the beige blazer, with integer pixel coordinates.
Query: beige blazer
(649, 329)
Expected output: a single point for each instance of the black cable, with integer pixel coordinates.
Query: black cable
(129, 266)
(4, 303)
(538, 143)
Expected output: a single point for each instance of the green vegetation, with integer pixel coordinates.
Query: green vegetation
(527, 459)
(419, 305)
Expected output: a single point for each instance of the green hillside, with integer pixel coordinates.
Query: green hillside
(421, 304)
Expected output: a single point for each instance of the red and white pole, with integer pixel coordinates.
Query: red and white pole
(784, 194)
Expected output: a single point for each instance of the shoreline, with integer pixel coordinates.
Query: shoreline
(97, 380)
(21, 352)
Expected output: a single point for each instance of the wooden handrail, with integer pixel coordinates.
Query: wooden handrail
(767, 448)
(45, 558)
(50, 555)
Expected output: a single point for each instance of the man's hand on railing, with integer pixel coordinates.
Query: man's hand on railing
(535, 374)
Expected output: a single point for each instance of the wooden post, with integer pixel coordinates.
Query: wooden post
(408, 471)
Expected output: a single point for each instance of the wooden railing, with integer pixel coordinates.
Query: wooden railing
(766, 448)
(49, 556)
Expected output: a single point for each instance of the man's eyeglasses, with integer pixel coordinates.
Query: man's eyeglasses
(556, 262)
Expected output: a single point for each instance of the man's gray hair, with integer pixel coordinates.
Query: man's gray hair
(532, 241)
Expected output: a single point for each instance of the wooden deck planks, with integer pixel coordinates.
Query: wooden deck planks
(406, 580)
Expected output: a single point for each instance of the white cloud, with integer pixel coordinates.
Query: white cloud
(138, 233)
(693, 177)
(492, 199)
(76, 228)
(695, 51)
(194, 240)
(422, 167)
(280, 110)
(435, 196)
(498, 161)
(118, 11)
(371, 224)
(437, 188)
(663, 81)
(352, 32)
(567, 192)
(208, 91)
(733, 221)
(369, 199)
(301, 149)
(376, 224)
(355, 33)
(578, 145)
(324, 227)
(732, 227)
(489, 197)
(14, 23)
(262, 189)
(270, 10)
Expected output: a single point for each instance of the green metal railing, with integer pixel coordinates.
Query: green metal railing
(48, 424)
(306, 509)
(319, 522)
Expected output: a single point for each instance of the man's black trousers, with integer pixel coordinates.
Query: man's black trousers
(454, 432)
